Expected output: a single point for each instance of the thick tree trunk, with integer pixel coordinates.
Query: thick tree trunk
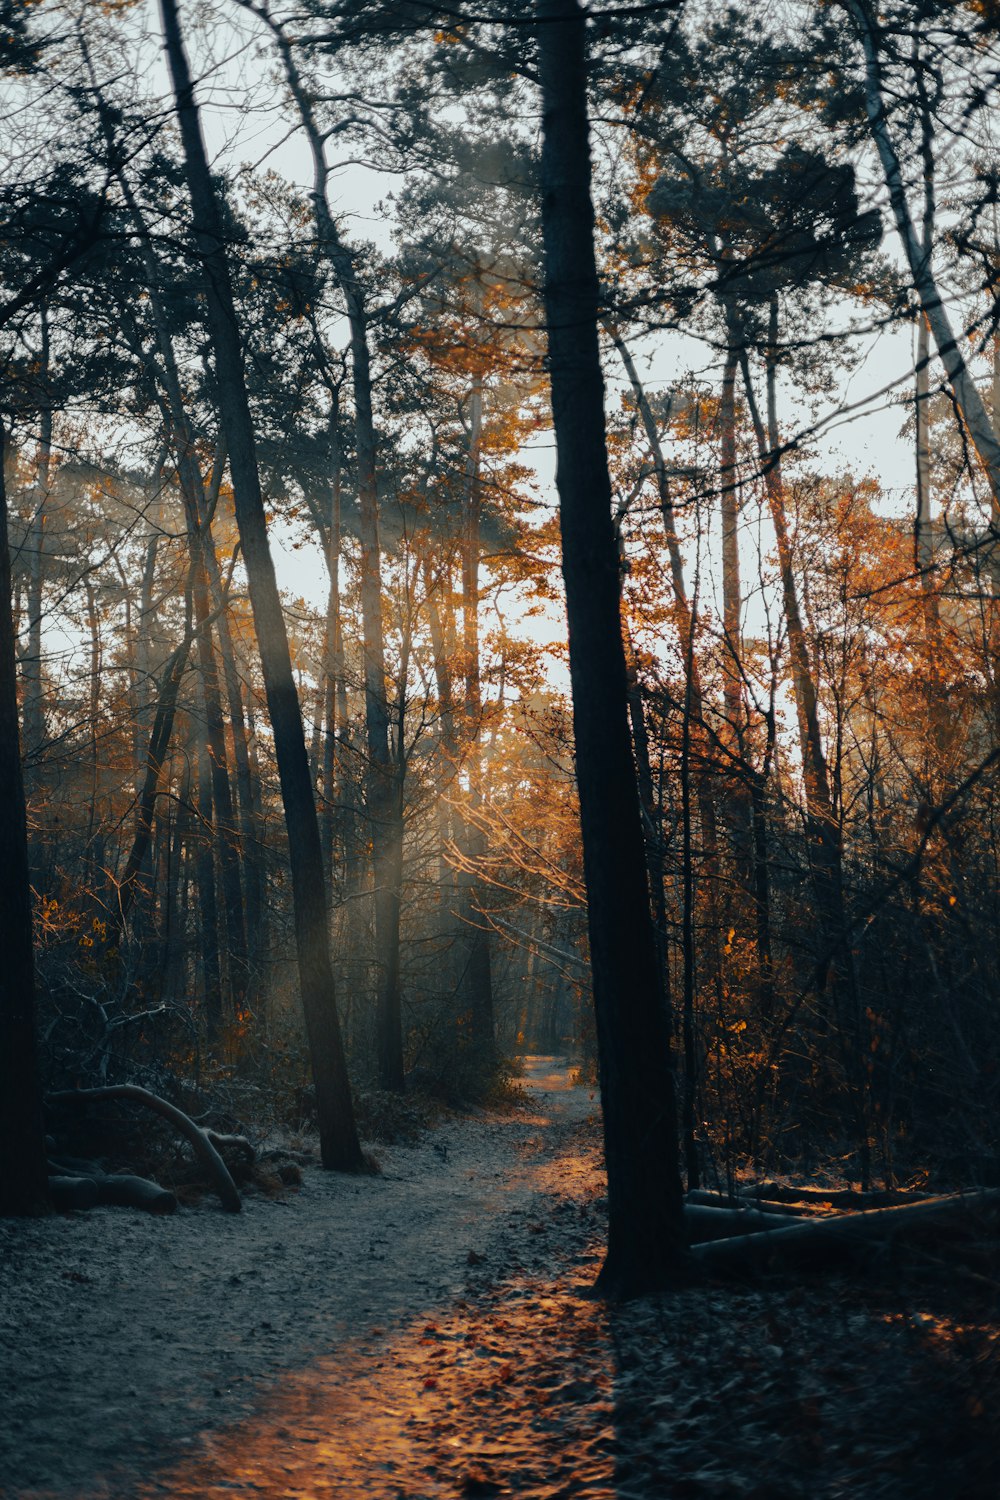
(338, 1133)
(23, 1179)
(645, 1228)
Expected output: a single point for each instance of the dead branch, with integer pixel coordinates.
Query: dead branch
(198, 1138)
(811, 1240)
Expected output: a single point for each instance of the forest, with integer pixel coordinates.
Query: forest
(500, 720)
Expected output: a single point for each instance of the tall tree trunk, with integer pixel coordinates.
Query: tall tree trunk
(93, 709)
(731, 591)
(919, 257)
(823, 839)
(924, 528)
(208, 909)
(250, 841)
(383, 810)
(333, 657)
(441, 622)
(155, 755)
(338, 1133)
(689, 1095)
(145, 708)
(645, 1220)
(815, 774)
(652, 824)
(175, 920)
(31, 664)
(686, 621)
(23, 1180)
(198, 510)
(478, 967)
(215, 739)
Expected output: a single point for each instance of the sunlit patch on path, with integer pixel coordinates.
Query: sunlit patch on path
(447, 1409)
(506, 1391)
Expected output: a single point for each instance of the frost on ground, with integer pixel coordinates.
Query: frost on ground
(423, 1334)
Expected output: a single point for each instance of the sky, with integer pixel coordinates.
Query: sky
(242, 74)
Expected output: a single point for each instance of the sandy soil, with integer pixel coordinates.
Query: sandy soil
(424, 1334)
(126, 1338)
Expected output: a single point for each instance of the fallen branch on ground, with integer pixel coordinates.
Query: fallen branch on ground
(121, 1190)
(708, 1199)
(203, 1148)
(703, 1222)
(810, 1240)
(849, 1198)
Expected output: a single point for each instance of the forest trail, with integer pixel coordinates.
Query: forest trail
(206, 1354)
(422, 1336)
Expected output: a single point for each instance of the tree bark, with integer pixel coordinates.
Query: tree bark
(23, 1177)
(645, 1222)
(652, 823)
(339, 1143)
(732, 601)
(334, 720)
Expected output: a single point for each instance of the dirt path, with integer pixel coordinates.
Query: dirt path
(421, 1336)
(126, 1340)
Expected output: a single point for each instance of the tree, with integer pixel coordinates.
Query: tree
(338, 1133)
(645, 1225)
(877, 41)
(23, 1180)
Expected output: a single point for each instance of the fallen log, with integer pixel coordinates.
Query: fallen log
(844, 1198)
(73, 1193)
(125, 1191)
(198, 1139)
(119, 1189)
(704, 1222)
(705, 1198)
(811, 1240)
